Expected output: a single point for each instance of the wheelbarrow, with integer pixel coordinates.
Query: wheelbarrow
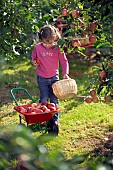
(35, 118)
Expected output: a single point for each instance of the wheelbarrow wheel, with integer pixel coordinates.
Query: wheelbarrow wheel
(53, 128)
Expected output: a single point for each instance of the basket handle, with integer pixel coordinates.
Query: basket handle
(18, 89)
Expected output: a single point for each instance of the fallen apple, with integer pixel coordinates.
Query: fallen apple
(108, 98)
(88, 99)
(92, 92)
(95, 99)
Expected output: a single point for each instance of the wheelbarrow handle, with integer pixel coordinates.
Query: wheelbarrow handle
(21, 89)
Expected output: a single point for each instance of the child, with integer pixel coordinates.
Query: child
(46, 57)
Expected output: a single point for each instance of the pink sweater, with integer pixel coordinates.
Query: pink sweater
(49, 61)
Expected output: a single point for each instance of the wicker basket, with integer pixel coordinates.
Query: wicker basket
(65, 88)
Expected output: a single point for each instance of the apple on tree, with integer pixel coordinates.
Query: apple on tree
(65, 12)
(93, 26)
(111, 64)
(75, 43)
(103, 74)
(75, 13)
(92, 38)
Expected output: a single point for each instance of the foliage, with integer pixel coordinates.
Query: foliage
(20, 20)
(103, 84)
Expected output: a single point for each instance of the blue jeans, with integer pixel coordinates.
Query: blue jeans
(46, 91)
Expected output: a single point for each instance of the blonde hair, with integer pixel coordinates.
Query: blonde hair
(49, 32)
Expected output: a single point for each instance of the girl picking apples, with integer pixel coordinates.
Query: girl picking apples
(47, 70)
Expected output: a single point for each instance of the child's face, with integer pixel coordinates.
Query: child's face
(48, 43)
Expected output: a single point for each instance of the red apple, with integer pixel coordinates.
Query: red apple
(75, 43)
(30, 109)
(47, 110)
(75, 13)
(50, 105)
(82, 24)
(103, 74)
(34, 105)
(38, 105)
(38, 61)
(39, 111)
(111, 64)
(92, 92)
(108, 98)
(88, 99)
(93, 26)
(43, 108)
(92, 38)
(65, 12)
(95, 99)
(44, 103)
(52, 108)
(23, 110)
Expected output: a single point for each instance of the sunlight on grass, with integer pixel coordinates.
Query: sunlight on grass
(81, 124)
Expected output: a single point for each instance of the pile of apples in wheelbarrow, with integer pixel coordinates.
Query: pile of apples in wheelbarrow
(35, 108)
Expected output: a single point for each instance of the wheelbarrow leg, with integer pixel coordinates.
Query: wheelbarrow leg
(20, 119)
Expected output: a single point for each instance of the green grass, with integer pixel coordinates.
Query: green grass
(82, 125)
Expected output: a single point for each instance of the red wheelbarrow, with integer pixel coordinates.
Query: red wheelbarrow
(35, 115)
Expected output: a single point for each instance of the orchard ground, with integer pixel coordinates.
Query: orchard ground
(84, 128)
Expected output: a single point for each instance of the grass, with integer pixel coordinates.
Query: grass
(82, 126)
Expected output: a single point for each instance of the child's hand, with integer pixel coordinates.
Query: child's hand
(65, 76)
(34, 63)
